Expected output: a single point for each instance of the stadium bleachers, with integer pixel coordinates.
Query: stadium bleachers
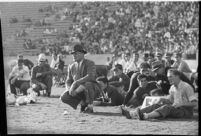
(29, 10)
(45, 15)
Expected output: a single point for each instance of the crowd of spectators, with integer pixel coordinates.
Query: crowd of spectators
(107, 27)
(114, 27)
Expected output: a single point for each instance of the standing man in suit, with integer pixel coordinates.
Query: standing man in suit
(81, 85)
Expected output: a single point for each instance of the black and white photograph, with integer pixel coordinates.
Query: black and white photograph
(100, 67)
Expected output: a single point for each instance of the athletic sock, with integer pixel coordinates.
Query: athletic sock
(145, 115)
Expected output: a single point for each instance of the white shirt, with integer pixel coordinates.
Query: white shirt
(182, 94)
(134, 66)
(182, 66)
(24, 71)
(54, 62)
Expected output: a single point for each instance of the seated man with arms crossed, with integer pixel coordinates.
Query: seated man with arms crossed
(144, 69)
(142, 91)
(119, 80)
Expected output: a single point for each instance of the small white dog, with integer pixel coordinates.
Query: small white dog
(22, 100)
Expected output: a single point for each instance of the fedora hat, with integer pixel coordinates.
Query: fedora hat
(78, 48)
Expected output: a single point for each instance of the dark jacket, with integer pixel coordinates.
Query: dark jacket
(133, 85)
(85, 73)
(60, 65)
(137, 98)
(116, 97)
(125, 81)
(45, 70)
(165, 85)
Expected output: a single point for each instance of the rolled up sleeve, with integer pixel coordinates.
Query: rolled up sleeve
(190, 93)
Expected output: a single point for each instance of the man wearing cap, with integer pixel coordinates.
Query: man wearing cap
(81, 85)
(119, 79)
(26, 62)
(19, 78)
(41, 76)
(144, 69)
(168, 60)
(160, 76)
(180, 64)
(159, 57)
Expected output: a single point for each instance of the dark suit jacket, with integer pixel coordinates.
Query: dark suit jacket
(137, 98)
(116, 97)
(86, 72)
(114, 80)
(165, 85)
(45, 70)
(133, 85)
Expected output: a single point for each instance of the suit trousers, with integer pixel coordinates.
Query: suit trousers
(73, 101)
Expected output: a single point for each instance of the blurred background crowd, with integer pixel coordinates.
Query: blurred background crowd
(117, 27)
(135, 26)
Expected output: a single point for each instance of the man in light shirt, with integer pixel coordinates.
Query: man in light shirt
(126, 60)
(55, 60)
(180, 64)
(134, 64)
(19, 78)
(178, 104)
